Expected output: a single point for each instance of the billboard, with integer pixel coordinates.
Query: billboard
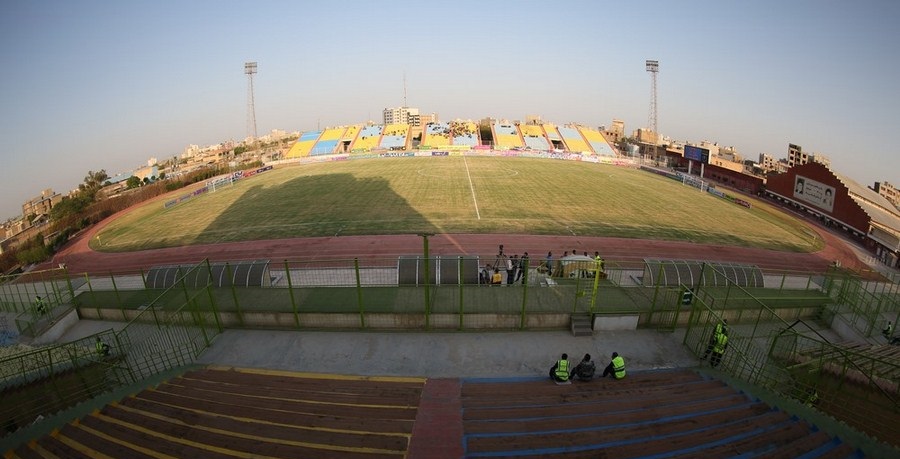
(813, 192)
(696, 154)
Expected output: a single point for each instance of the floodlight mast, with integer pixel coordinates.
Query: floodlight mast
(653, 68)
(250, 70)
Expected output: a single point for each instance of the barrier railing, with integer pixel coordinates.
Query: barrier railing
(168, 332)
(795, 361)
(856, 385)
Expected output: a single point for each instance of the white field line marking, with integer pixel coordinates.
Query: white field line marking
(472, 187)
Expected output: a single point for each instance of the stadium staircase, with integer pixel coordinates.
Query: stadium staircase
(581, 325)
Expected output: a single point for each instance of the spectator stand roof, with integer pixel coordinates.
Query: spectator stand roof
(251, 273)
(666, 272)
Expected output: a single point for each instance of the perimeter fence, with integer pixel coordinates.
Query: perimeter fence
(788, 356)
(167, 332)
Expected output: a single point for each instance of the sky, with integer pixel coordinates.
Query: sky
(94, 84)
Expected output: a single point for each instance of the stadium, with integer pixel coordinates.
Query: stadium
(332, 304)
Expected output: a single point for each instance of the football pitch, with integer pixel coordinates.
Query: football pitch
(454, 194)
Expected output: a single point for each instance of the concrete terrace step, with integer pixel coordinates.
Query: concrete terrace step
(581, 325)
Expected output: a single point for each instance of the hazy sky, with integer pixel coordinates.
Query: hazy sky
(93, 85)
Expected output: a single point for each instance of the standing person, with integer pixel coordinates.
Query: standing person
(585, 369)
(512, 264)
(718, 349)
(616, 367)
(559, 372)
(548, 263)
(887, 332)
(39, 305)
(559, 265)
(523, 267)
(721, 328)
(102, 348)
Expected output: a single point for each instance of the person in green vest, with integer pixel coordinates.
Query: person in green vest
(102, 348)
(559, 372)
(40, 305)
(718, 349)
(721, 328)
(616, 367)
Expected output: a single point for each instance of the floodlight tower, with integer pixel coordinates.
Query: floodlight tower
(250, 70)
(653, 68)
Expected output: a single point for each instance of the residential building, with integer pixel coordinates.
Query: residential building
(40, 205)
(407, 115)
(889, 192)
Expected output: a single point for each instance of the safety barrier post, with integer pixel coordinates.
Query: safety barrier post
(118, 297)
(212, 299)
(234, 296)
(23, 303)
(359, 297)
(597, 269)
(69, 284)
(427, 280)
(287, 274)
(523, 317)
(459, 277)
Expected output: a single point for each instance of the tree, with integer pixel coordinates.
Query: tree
(133, 182)
(93, 181)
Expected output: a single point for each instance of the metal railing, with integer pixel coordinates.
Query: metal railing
(168, 332)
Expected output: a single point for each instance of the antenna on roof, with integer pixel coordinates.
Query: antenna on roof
(404, 89)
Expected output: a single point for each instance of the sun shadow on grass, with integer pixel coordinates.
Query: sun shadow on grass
(321, 205)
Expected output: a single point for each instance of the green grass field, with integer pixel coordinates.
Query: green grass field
(455, 195)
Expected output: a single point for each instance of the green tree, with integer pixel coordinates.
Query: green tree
(133, 182)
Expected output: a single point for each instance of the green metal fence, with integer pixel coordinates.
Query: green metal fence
(792, 359)
(168, 332)
(36, 298)
(856, 384)
(864, 305)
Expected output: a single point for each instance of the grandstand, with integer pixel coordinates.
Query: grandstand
(573, 140)
(754, 404)
(597, 141)
(348, 138)
(369, 138)
(464, 133)
(553, 136)
(395, 137)
(304, 144)
(534, 137)
(436, 135)
(328, 141)
(506, 136)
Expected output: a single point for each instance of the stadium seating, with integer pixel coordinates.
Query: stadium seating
(553, 136)
(304, 144)
(369, 137)
(597, 141)
(464, 133)
(436, 135)
(534, 137)
(328, 141)
(573, 140)
(395, 137)
(506, 136)
(666, 413)
(246, 413)
(206, 412)
(349, 137)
